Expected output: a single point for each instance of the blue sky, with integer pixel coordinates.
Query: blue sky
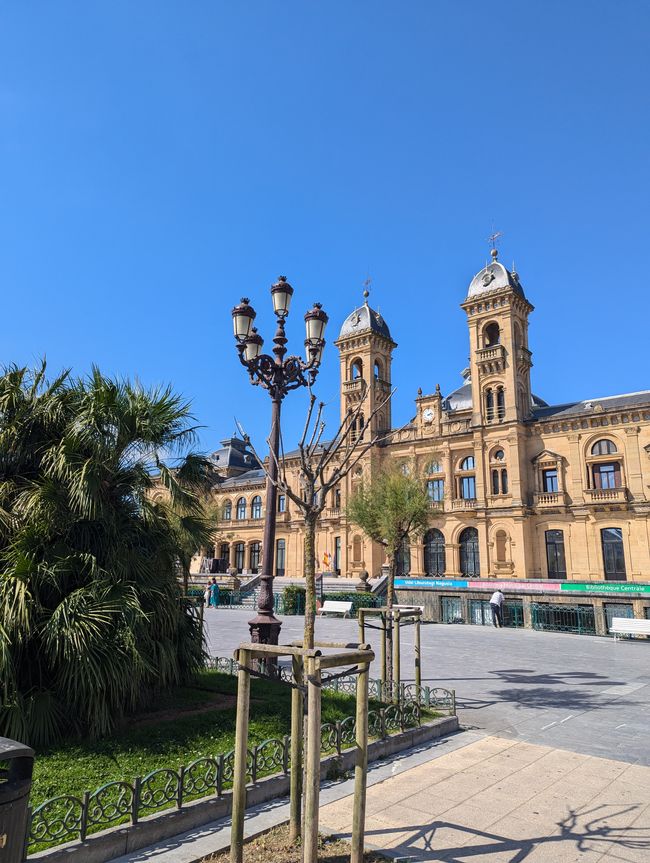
(158, 160)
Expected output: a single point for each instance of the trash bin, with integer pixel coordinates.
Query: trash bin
(16, 766)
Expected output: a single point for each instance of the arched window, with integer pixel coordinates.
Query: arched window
(227, 510)
(504, 481)
(255, 552)
(467, 481)
(603, 447)
(224, 553)
(495, 482)
(403, 559)
(500, 542)
(489, 404)
(356, 370)
(519, 343)
(434, 553)
(239, 556)
(377, 370)
(256, 507)
(501, 403)
(491, 335)
(469, 556)
(241, 508)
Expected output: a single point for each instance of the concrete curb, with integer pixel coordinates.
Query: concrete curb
(118, 841)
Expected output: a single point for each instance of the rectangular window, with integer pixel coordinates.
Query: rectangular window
(436, 490)
(549, 480)
(468, 488)
(282, 503)
(337, 554)
(239, 556)
(495, 482)
(607, 476)
(613, 555)
(555, 554)
(280, 549)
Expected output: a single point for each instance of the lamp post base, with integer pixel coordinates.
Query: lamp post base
(264, 630)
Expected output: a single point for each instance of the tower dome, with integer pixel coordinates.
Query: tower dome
(362, 319)
(494, 277)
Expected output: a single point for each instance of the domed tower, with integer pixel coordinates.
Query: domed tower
(497, 316)
(365, 347)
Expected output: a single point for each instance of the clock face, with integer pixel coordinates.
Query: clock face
(428, 415)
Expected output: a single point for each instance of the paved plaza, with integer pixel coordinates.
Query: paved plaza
(582, 693)
(554, 766)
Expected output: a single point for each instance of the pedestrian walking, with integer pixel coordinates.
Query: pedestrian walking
(496, 604)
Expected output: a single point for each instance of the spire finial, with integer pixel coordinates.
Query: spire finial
(366, 289)
(492, 239)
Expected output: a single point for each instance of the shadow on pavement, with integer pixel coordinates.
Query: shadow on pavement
(573, 833)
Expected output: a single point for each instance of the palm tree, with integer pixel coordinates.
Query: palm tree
(91, 613)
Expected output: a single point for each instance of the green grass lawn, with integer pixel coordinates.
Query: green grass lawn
(169, 734)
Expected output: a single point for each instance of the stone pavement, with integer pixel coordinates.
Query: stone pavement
(576, 692)
(500, 801)
(471, 798)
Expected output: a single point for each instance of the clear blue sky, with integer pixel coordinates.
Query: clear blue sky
(158, 160)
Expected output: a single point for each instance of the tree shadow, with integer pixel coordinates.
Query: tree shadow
(582, 830)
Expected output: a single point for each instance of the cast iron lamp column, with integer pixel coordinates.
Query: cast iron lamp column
(279, 376)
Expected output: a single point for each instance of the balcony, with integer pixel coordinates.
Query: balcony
(356, 386)
(332, 512)
(496, 352)
(543, 499)
(605, 495)
(461, 503)
(492, 359)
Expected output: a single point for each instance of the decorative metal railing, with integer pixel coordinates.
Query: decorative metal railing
(68, 817)
(430, 697)
(564, 618)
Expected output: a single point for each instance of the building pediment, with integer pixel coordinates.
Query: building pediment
(547, 455)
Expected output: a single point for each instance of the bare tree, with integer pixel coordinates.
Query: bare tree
(323, 464)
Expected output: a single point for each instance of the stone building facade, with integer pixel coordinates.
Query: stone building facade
(520, 489)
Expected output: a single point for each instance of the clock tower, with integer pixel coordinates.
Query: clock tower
(365, 348)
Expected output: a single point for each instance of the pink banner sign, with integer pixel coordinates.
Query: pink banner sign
(523, 587)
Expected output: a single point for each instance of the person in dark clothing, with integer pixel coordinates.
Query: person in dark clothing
(496, 604)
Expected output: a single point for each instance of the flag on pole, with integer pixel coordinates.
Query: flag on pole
(327, 559)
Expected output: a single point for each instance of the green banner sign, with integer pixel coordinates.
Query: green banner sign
(606, 587)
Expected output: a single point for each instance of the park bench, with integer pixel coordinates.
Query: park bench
(629, 626)
(334, 606)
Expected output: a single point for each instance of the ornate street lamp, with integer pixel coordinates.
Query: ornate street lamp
(277, 375)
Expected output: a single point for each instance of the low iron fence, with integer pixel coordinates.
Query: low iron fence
(69, 817)
(431, 697)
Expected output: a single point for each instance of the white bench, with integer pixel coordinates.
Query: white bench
(334, 606)
(629, 626)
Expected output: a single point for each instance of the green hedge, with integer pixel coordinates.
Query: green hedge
(294, 599)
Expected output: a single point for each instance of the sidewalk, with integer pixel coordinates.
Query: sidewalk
(471, 799)
(499, 801)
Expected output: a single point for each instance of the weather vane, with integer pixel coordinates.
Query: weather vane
(494, 236)
(366, 288)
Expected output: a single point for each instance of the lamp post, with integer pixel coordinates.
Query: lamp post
(278, 375)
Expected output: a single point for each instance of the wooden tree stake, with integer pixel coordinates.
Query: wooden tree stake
(241, 756)
(295, 800)
(361, 766)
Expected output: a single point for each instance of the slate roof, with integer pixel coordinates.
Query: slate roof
(586, 407)
(251, 476)
(233, 455)
(364, 318)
